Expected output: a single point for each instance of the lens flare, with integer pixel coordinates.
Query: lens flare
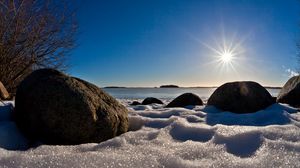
(226, 56)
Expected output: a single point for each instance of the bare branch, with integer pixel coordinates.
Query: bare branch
(33, 34)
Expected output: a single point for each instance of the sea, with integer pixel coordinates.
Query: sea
(165, 93)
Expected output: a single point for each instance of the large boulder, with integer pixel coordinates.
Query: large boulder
(58, 109)
(185, 99)
(290, 93)
(3, 92)
(241, 97)
(151, 100)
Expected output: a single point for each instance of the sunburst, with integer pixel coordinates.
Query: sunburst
(226, 54)
(226, 57)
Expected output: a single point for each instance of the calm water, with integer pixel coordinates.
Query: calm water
(164, 93)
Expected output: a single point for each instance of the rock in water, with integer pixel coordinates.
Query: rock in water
(241, 97)
(151, 100)
(290, 93)
(185, 99)
(58, 109)
(3, 92)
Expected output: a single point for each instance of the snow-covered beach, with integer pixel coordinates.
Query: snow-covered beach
(149, 84)
(199, 136)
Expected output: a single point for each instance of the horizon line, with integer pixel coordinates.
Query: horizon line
(111, 87)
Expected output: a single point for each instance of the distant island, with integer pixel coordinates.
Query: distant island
(113, 87)
(272, 87)
(169, 86)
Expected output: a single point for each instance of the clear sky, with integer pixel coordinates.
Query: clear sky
(155, 42)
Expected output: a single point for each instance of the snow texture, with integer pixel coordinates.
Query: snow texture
(172, 137)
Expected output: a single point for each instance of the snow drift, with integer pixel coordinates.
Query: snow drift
(172, 137)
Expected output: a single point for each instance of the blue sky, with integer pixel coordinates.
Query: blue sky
(155, 42)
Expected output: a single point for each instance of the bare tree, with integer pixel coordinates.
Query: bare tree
(34, 34)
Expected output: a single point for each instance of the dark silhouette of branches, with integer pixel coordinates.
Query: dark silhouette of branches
(34, 34)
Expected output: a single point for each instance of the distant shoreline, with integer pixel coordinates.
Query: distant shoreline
(272, 87)
(122, 87)
(113, 87)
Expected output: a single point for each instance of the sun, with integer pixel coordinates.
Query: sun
(226, 56)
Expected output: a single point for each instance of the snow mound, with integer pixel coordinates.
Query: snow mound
(173, 137)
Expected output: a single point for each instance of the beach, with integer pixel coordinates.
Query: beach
(195, 136)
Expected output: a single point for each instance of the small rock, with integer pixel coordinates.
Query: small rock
(135, 103)
(151, 100)
(186, 99)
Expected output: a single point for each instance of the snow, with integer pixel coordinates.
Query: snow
(197, 136)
